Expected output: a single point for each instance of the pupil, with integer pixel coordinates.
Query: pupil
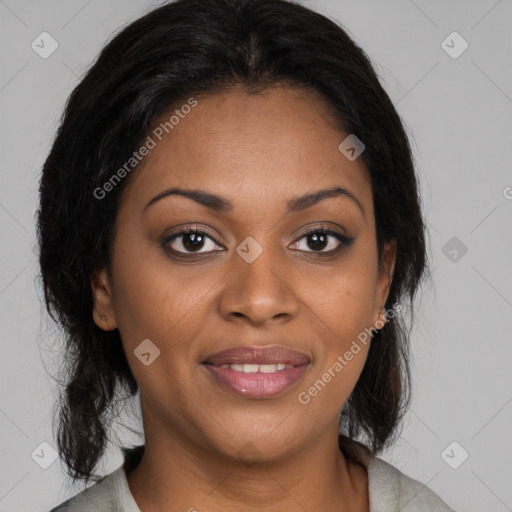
(318, 238)
(193, 241)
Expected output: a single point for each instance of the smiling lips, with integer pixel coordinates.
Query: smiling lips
(257, 372)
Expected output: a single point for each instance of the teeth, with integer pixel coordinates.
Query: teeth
(254, 368)
(267, 368)
(250, 368)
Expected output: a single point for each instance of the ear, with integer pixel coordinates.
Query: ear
(103, 307)
(384, 280)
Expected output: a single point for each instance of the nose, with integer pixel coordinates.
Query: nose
(261, 291)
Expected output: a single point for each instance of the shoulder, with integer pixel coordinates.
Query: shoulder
(95, 497)
(391, 490)
(111, 493)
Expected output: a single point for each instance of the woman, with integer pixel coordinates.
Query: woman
(230, 224)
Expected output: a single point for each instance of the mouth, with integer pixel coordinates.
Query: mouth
(257, 372)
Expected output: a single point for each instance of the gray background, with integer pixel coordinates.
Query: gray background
(457, 112)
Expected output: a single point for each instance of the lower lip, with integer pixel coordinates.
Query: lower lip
(257, 385)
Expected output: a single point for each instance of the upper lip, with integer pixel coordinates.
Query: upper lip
(258, 355)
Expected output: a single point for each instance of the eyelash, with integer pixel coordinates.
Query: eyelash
(321, 230)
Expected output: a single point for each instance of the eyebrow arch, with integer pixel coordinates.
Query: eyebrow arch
(222, 204)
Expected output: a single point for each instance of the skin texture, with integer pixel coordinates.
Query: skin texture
(208, 448)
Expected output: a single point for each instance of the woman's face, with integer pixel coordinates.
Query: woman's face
(252, 279)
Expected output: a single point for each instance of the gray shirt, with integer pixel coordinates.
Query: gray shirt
(389, 491)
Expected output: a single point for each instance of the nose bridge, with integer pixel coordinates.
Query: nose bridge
(258, 287)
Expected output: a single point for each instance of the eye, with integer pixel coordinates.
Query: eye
(190, 241)
(317, 239)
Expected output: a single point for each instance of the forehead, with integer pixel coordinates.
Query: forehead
(276, 144)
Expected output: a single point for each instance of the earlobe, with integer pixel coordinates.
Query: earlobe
(388, 261)
(103, 308)
(386, 272)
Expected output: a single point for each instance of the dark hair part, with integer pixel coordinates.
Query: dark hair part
(182, 49)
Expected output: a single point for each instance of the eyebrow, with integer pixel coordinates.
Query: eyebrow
(222, 204)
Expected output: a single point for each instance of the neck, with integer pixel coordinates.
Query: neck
(180, 475)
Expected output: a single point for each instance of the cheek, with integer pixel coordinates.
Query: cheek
(335, 373)
(152, 295)
(157, 300)
(329, 387)
(342, 304)
(342, 301)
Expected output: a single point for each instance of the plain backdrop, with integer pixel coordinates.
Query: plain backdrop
(456, 103)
